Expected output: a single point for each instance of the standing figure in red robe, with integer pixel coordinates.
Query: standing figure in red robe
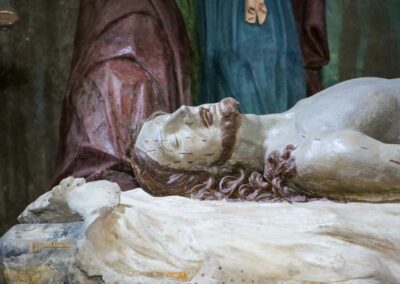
(130, 59)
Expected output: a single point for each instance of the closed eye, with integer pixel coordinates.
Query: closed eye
(188, 120)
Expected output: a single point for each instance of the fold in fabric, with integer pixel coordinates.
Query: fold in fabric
(130, 60)
(311, 26)
(259, 65)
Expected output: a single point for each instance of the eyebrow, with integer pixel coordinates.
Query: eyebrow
(206, 117)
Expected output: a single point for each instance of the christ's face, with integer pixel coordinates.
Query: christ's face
(189, 138)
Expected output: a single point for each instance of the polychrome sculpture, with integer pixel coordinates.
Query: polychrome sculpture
(342, 143)
(260, 65)
(133, 237)
(130, 59)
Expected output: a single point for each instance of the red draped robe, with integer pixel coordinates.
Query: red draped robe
(130, 59)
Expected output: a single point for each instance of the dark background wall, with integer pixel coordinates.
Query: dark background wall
(364, 39)
(34, 65)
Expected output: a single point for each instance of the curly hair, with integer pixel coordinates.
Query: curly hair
(240, 184)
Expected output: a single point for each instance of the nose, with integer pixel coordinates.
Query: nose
(177, 119)
(188, 116)
(182, 113)
(177, 114)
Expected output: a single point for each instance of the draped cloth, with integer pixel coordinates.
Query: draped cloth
(311, 26)
(259, 65)
(146, 239)
(129, 60)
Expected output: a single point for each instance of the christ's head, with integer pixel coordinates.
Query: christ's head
(197, 138)
(194, 152)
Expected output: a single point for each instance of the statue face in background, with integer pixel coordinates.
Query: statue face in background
(191, 137)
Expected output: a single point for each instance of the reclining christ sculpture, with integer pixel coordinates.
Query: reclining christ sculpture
(345, 146)
(342, 143)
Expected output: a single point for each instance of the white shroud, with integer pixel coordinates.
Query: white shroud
(149, 239)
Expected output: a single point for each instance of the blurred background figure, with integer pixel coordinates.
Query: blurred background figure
(364, 39)
(312, 31)
(256, 51)
(130, 60)
(258, 64)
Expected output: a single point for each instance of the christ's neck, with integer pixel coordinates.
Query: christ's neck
(251, 142)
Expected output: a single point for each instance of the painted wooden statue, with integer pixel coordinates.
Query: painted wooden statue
(130, 59)
(342, 143)
(256, 52)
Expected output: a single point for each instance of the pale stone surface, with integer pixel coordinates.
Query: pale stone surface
(132, 237)
(49, 264)
(51, 207)
(151, 239)
(93, 199)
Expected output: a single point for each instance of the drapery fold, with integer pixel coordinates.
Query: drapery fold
(311, 26)
(130, 60)
(259, 65)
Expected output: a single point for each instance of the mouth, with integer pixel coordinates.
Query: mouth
(206, 117)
